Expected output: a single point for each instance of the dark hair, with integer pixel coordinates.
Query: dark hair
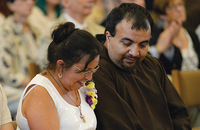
(141, 17)
(4, 8)
(70, 45)
(11, 1)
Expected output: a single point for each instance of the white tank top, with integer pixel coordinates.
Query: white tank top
(69, 115)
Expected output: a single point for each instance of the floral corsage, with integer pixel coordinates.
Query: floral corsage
(91, 94)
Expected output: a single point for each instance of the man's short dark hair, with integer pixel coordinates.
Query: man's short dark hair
(139, 15)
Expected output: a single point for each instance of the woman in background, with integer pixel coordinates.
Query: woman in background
(18, 47)
(4, 11)
(44, 14)
(175, 46)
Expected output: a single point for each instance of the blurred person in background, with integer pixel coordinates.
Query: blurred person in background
(44, 14)
(75, 11)
(110, 4)
(175, 46)
(18, 47)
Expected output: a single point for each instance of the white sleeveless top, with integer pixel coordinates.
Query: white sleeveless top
(69, 115)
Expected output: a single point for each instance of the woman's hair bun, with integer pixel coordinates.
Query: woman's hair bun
(62, 32)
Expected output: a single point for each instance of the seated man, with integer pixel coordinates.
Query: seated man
(133, 89)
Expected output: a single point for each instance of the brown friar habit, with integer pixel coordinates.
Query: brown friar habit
(140, 99)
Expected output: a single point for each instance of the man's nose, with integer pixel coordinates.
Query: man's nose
(134, 51)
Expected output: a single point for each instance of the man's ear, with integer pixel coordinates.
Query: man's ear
(10, 6)
(108, 36)
(65, 3)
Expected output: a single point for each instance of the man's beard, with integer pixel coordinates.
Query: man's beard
(126, 67)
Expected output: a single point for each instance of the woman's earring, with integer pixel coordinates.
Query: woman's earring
(60, 75)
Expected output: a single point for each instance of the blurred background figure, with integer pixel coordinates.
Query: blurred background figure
(44, 14)
(97, 15)
(110, 4)
(4, 11)
(175, 46)
(19, 47)
(5, 117)
(78, 15)
(75, 11)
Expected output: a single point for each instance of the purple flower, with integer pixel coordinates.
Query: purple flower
(88, 99)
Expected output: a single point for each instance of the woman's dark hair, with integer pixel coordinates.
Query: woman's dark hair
(4, 8)
(70, 45)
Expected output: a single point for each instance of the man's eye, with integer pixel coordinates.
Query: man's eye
(144, 45)
(127, 43)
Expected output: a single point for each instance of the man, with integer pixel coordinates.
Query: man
(133, 89)
(76, 11)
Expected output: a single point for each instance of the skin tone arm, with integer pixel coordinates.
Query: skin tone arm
(40, 111)
(165, 38)
(8, 126)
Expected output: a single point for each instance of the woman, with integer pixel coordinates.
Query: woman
(4, 11)
(54, 98)
(18, 47)
(175, 46)
(5, 117)
(45, 13)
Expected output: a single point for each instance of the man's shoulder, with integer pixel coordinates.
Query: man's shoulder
(150, 59)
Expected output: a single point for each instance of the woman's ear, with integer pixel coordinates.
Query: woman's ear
(60, 64)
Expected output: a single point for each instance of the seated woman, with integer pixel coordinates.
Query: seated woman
(5, 117)
(4, 11)
(45, 13)
(56, 98)
(174, 46)
(19, 42)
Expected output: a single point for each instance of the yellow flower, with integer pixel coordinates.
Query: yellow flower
(94, 100)
(91, 93)
(93, 106)
(90, 85)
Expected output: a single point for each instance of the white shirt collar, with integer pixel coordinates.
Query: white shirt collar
(77, 24)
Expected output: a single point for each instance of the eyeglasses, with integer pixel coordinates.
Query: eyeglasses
(174, 7)
(86, 73)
